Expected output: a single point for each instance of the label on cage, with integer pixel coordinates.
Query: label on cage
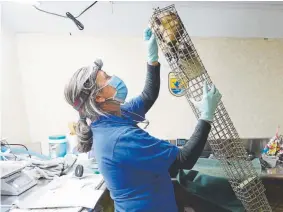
(176, 87)
(191, 68)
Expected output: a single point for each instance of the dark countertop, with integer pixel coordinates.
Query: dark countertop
(275, 173)
(255, 145)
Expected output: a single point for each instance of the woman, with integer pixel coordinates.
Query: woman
(134, 164)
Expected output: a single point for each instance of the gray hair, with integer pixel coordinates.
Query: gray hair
(85, 80)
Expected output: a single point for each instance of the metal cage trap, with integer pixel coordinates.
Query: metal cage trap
(224, 140)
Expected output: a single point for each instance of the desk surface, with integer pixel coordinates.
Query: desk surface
(276, 173)
(271, 173)
(9, 200)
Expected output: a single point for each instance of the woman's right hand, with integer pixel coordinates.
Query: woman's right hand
(207, 106)
(152, 52)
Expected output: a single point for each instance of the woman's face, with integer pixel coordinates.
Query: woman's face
(107, 91)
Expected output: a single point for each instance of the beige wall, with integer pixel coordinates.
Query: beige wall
(248, 72)
(14, 125)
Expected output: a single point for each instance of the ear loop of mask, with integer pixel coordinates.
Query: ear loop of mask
(110, 98)
(99, 89)
(145, 121)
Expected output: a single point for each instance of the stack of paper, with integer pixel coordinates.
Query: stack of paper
(65, 192)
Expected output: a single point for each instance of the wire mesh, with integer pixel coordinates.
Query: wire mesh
(224, 140)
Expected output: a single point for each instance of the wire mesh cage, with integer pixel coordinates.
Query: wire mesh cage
(224, 140)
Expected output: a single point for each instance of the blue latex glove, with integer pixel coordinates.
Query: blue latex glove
(152, 52)
(209, 103)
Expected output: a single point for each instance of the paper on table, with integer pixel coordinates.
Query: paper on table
(67, 192)
(74, 209)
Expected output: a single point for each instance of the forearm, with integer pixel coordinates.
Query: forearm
(152, 86)
(192, 150)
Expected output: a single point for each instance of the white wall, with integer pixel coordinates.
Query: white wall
(248, 72)
(14, 125)
(201, 18)
(1, 70)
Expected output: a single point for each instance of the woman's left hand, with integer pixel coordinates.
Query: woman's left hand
(152, 52)
(207, 106)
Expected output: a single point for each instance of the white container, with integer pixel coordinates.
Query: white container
(271, 160)
(57, 146)
(72, 143)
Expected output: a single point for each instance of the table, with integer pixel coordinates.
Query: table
(273, 173)
(272, 179)
(7, 201)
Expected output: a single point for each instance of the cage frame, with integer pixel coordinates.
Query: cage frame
(223, 138)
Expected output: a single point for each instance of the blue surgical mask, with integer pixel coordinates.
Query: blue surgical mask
(121, 89)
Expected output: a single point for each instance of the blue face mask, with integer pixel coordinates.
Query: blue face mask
(121, 89)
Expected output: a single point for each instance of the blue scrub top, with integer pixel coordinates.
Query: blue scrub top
(133, 163)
